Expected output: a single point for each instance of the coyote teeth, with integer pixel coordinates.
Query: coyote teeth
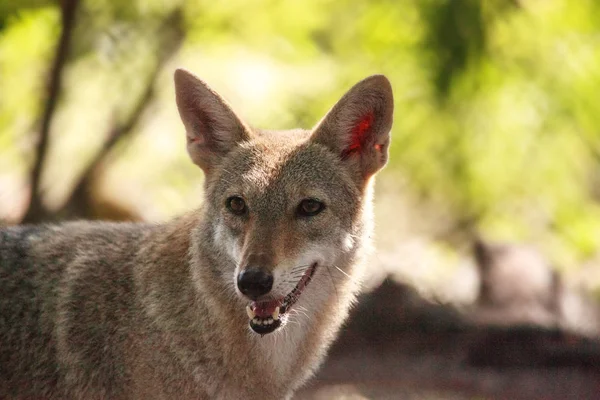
(276, 314)
(250, 313)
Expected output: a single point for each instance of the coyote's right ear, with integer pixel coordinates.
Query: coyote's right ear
(212, 128)
(358, 127)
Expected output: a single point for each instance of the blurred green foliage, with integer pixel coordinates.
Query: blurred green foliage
(497, 119)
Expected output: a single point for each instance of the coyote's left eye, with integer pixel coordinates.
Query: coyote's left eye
(310, 207)
(236, 205)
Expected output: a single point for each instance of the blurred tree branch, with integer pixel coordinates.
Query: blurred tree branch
(80, 202)
(36, 209)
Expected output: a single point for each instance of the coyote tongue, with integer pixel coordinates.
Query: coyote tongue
(265, 309)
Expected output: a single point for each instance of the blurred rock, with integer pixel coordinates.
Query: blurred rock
(519, 286)
(397, 344)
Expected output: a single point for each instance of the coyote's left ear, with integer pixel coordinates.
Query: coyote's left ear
(212, 127)
(358, 127)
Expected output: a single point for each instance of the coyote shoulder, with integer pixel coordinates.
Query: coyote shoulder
(239, 299)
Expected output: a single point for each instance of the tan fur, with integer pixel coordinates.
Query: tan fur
(141, 311)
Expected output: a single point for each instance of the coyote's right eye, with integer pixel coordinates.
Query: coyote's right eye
(236, 205)
(310, 207)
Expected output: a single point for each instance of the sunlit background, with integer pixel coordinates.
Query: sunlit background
(496, 119)
(496, 132)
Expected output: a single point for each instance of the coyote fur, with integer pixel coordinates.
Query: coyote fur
(239, 299)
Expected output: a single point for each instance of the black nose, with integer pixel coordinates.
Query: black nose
(254, 282)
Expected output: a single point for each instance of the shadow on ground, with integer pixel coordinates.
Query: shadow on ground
(396, 345)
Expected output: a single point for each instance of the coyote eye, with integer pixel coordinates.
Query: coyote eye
(236, 205)
(310, 207)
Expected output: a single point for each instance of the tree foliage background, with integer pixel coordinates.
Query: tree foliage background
(496, 123)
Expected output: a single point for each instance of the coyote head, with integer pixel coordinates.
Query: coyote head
(286, 210)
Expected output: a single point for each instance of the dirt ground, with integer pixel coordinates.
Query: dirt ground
(397, 349)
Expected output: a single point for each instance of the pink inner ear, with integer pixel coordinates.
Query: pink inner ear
(359, 136)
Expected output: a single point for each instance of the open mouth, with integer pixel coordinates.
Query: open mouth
(267, 316)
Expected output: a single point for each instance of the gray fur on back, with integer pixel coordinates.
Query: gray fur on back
(56, 311)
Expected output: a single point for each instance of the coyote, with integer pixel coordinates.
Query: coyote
(239, 299)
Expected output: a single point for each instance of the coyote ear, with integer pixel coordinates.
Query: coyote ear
(358, 127)
(212, 128)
